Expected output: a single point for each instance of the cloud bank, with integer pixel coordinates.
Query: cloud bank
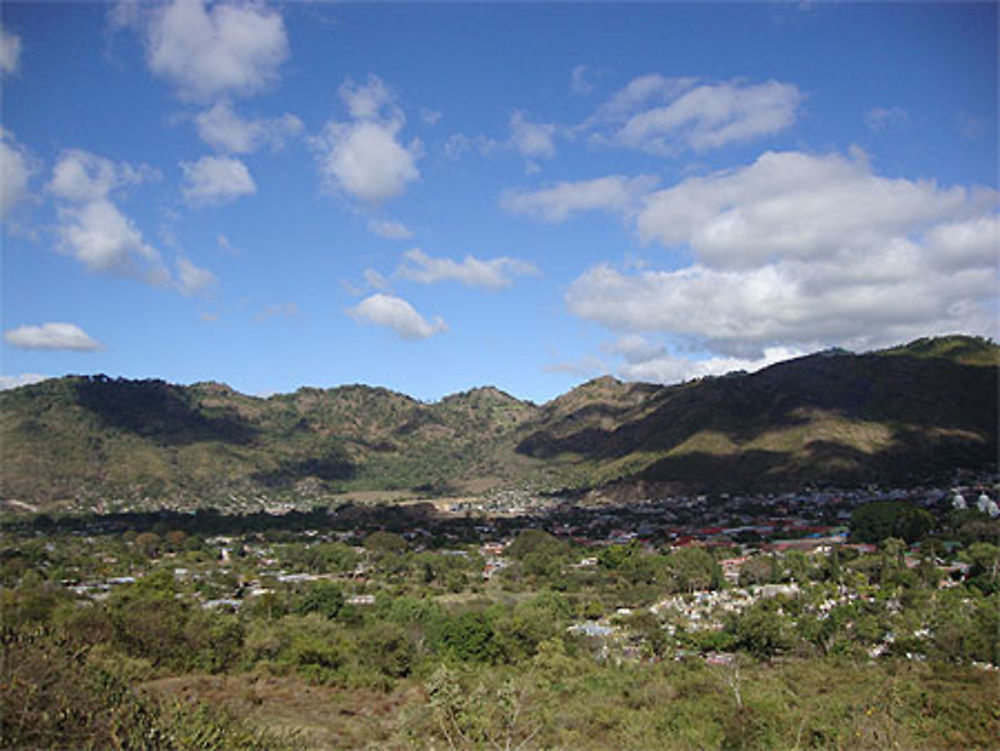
(799, 251)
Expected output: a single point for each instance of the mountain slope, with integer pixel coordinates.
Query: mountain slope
(900, 416)
(895, 416)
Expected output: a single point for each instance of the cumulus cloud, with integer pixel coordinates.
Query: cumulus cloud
(93, 229)
(228, 48)
(473, 272)
(533, 140)
(793, 204)
(665, 116)
(10, 52)
(192, 279)
(51, 336)
(368, 100)
(800, 251)
(214, 180)
(397, 314)
(363, 157)
(24, 379)
(102, 238)
(16, 168)
(222, 128)
(390, 229)
(80, 176)
(614, 193)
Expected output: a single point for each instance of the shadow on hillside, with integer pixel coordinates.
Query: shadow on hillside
(158, 411)
(330, 468)
(910, 395)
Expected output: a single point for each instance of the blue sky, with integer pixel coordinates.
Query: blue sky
(436, 197)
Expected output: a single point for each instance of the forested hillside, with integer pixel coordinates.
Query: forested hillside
(902, 416)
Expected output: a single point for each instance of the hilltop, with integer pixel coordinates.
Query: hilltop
(904, 415)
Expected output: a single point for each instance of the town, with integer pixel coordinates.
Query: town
(378, 597)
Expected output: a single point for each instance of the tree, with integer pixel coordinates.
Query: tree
(470, 637)
(386, 648)
(692, 569)
(381, 543)
(874, 522)
(762, 630)
(758, 570)
(536, 541)
(985, 560)
(322, 597)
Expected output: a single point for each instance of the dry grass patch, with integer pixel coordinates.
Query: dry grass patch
(322, 717)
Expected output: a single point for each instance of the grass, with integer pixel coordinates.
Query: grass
(825, 703)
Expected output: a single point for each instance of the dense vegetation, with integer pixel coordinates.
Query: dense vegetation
(900, 416)
(306, 635)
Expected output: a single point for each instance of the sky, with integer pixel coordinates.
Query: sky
(436, 197)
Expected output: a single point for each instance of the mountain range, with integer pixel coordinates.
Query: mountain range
(902, 416)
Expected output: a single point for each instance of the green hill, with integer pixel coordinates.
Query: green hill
(902, 415)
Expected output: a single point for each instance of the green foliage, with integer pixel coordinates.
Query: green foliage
(384, 543)
(386, 648)
(470, 637)
(874, 522)
(51, 697)
(693, 568)
(762, 630)
(322, 597)
(536, 542)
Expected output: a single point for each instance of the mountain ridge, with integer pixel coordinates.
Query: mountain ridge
(898, 415)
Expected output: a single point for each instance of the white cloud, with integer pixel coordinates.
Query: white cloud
(229, 48)
(363, 157)
(615, 194)
(101, 237)
(396, 313)
(533, 140)
(51, 336)
(880, 118)
(16, 168)
(390, 229)
(491, 274)
(192, 279)
(974, 243)
(665, 116)
(10, 52)
(80, 176)
(214, 180)
(367, 101)
(24, 379)
(792, 204)
(801, 252)
(365, 160)
(375, 280)
(637, 93)
(665, 368)
(222, 128)
(94, 230)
